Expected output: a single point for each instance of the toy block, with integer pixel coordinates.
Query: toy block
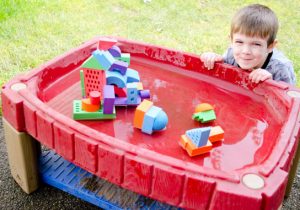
(94, 80)
(149, 118)
(108, 99)
(199, 136)
(144, 94)
(87, 106)
(191, 149)
(140, 113)
(79, 114)
(120, 92)
(124, 57)
(160, 121)
(203, 107)
(115, 51)
(106, 43)
(82, 84)
(95, 97)
(132, 93)
(205, 116)
(132, 75)
(104, 58)
(92, 63)
(122, 101)
(115, 78)
(140, 86)
(216, 134)
(119, 66)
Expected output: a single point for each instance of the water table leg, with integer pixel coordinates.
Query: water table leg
(293, 171)
(23, 151)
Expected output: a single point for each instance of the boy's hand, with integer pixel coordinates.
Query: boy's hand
(209, 59)
(258, 75)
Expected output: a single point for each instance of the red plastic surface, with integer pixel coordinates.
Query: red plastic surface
(261, 124)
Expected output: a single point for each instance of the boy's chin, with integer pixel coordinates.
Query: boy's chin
(246, 67)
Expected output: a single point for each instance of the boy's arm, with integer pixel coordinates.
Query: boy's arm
(209, 59)
(279, 72)
(285, 72)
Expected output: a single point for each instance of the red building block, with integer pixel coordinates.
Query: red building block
(94, 80)
(106, 43)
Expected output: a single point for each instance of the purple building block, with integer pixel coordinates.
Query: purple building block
(144, 94)
(119, 66)
(108, 99)
(122, 101)
(115, 51)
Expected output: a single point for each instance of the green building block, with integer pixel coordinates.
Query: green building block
(205, 116)
(92, 63)
(82, 84)
(79, 114)
(124, 57)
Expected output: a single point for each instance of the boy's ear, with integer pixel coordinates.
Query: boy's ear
(272, 46)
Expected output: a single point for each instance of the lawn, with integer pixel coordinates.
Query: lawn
(32, 32)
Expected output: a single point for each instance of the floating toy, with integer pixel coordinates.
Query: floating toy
(204, 113)
(149, 118)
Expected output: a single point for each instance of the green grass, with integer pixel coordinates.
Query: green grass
(33, 32)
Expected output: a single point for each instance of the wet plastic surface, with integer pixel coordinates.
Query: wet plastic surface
(261, 124)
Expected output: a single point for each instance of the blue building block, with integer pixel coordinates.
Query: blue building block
(132, 75)
(64, 175)
(115, 78)
(149, 119)
(199, 136)
(104, 58)
(160, 121)
(132, 93)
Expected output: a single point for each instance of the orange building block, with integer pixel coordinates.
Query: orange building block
(140, 113)
(216, 134)
(191, 149)
(203, 107)
(88, 106)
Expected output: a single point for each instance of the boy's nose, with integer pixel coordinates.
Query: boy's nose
(246, 49)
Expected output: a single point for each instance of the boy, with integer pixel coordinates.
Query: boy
(253, 33)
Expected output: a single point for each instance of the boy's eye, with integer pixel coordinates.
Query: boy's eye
(257, 44)
(238, 42)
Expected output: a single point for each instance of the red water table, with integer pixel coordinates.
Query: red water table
(248, 170)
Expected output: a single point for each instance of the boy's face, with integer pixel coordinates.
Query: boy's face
(250, 52)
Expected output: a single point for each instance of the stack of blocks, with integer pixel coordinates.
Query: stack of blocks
(199, 140)
(106, 72)
(149, 118)
(204, 113)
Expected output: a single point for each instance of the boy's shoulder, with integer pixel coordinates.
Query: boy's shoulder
(279, 58)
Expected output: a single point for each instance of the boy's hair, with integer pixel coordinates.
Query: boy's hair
(255, 20)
